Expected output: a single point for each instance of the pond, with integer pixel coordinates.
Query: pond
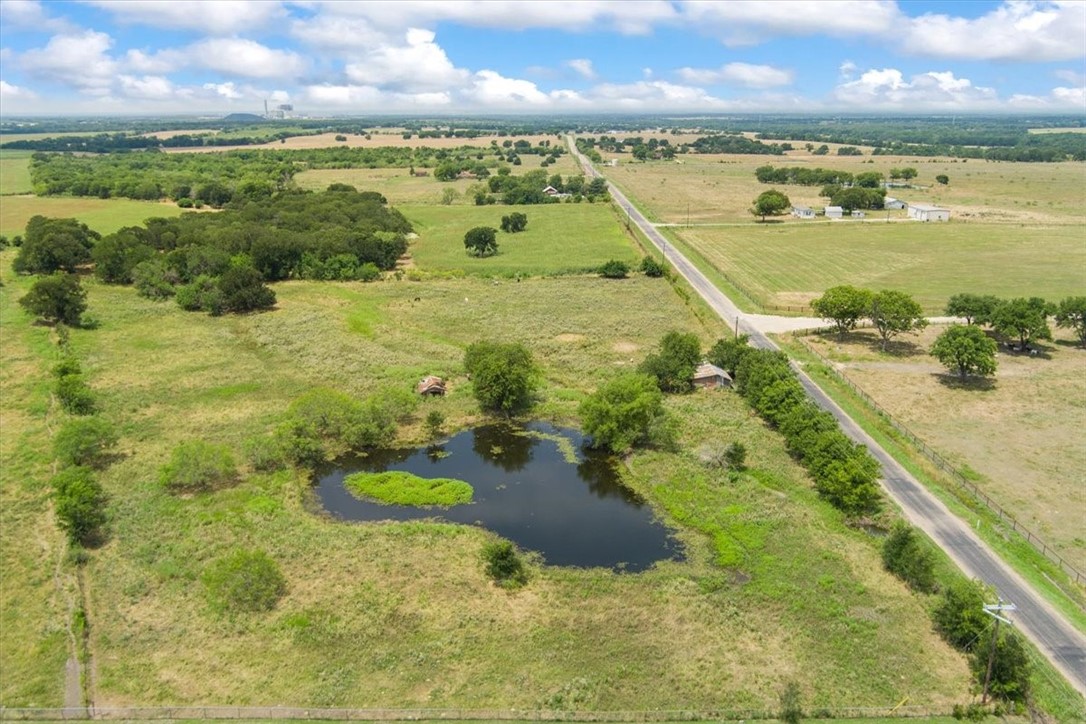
(526, 490)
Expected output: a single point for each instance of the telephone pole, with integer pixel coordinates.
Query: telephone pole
(993, 610)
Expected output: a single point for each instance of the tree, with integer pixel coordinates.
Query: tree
(975, 308)
(1010, 666)
(770, 203)
(247, 581)
(893, 313)
(481, 241)
(1071, 314)
(614, 269)
(85, 441)
(791, 711)
(449, 196)
(966, 350)
(514, 222)
(503, 376)
(1021, 318)
(844, 306)
(735, 457)
(620, 414)
(908, 173)
(728, 352)
(56, 298)
(905, 555)
(673, 366)
(80, 504)
(154, 280)
(959, 617)
(51, 245)
(651, 268)
(116, 255)
(242, 289)
(943, 179)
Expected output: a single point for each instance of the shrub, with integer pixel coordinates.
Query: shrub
(198, 466)
(735, 457)
(1010, 666)
(620, 414)
(504, 565)
(242, 289)
(514, 222)
(959, 617)
(154, 280)
(434, 422)
(791, 711)
(651, 268)
(265, 454)
(369, 272)
(324, 423)
(75, 396)
(615, 269)
(905, 555)
(68, 365)
(246, 581)
(201, 295)
(80, 504)
(503, 376)
(85, 441)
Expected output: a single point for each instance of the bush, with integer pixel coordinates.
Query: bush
(265, 454)
(154, 280)
(201, 295)
(246, 581)
(369, 272)
(68, 365)
(324, 423)
(906, 556)
(615, 269)
(651, 268)
(1010, 667)
(76, 398)
(959, 617)
(735, 457)
(504, 565)
(791, 705)
(85, 441)
(56, 298)
(503, 376)
(80, 504)
(514, 222)
(198, 466)
(242, 289)
(434, 422)
(620, 414)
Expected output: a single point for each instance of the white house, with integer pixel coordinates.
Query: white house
(858, 214)
(803, 212)
(834, 212)
(927, 212)
(891, 203)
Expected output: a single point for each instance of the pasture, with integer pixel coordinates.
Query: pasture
(1019, 437)
(103, 215)
(15, 173)
(560, 238)
(776, 587)
(790, 264)
(377, 139)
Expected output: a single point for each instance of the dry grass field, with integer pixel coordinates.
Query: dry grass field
(376, 140)
(103, 215)
(1021, 436)
(15, 173)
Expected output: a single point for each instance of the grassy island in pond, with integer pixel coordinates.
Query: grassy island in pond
(400, 488)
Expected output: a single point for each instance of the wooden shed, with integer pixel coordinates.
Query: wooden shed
(430, 385)
(709, 376)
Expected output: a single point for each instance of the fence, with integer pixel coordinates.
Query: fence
(959, 480)
(343, 714)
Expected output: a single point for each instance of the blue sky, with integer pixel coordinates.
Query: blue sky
(545, 56)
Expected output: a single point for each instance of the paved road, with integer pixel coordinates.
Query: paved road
(1058, 640)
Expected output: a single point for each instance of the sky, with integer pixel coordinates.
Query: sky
(159, 57)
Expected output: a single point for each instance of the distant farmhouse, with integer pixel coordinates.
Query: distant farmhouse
(834, 212)
(891, 203)
(927, 212)
(803, 212)
(555, 193)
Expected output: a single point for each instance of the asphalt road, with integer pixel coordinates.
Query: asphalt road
(1057, 639)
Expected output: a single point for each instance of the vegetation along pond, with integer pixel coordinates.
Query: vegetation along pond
(568, 506)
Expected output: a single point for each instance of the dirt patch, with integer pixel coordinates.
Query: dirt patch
(625, 347)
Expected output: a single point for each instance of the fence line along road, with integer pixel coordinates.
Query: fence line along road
(944, 465)
(1060, 642)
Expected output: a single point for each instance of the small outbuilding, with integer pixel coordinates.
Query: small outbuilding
(834, 212)
(927, 212)
(803, 212)
(858, 214)
(891, 203)
(430, 385)
(709, 376)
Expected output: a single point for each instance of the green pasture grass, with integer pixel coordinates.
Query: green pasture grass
(103, 215)
(560, 239)
(14, 172)
(710, 188)
(396, 487)
(776, 587)
(792, 264)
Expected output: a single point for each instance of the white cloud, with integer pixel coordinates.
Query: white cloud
(328, 32)
(492, 89)
(582, 66)
(237, 56)
(164, 61)
(149, 87)
(740, 74)
(1072, 98)
(229, 91)
(1021, 30)
(888, 89)
(653, 95)
(31, 15)
(748, 22)
(419, 66)
(1071, 76)
(847, 70)
(221, 17)
(78, 60)
(9, 92)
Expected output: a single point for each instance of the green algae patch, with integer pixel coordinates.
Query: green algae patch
(399, 488)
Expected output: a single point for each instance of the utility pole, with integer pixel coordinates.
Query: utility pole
(993, 611)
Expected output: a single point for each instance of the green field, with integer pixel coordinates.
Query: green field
(777, 588)
(560, 238)
(790, 264)
(103, 215)
(14, 172)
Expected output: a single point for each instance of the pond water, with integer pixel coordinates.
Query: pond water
(572, 513)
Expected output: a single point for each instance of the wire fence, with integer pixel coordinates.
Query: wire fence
(171, 713)
(952, 472)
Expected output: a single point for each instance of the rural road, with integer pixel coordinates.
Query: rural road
(1058, 640)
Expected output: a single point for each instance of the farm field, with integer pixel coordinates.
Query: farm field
(1019, 440)
(560, 238)
(376, 140)
(790, 264)
(721, 188)
(103, 215)
(15, 172)
(776, 588)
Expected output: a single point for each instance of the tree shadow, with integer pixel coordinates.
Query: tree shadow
(970, 383)
(1071, 343)
(1033, 349)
